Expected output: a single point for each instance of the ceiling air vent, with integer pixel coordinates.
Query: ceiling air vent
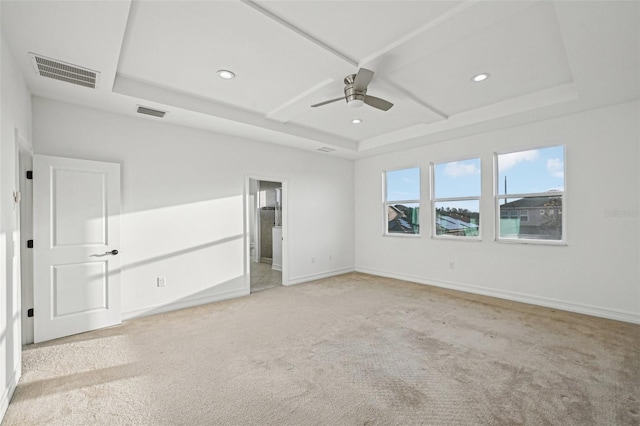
(150, 111)
(74, 74)
(326, 149)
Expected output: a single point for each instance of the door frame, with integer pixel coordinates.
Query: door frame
(23, 163)
(247, 227)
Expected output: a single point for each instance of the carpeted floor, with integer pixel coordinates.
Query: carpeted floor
(348, 350)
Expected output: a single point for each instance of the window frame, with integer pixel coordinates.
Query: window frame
(434, 201)
(497, 198)
(386, 204)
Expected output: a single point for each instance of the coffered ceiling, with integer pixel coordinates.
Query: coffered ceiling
(544, 59)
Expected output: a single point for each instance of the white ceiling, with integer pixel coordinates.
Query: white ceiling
(545, 59)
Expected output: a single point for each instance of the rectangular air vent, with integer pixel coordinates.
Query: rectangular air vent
(58, 70)
(326, 149)
(150, 111)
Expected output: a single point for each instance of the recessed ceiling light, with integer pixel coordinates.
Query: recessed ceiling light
(480, 77)
(226, 74)
(356, 121)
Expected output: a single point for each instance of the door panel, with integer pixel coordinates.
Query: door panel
(79, 288)
(68, 187)
(76, 227)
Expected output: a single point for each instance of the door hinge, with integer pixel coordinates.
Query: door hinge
(29, 174)
(29, 243)
(30, 312)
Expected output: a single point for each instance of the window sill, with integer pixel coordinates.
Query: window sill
(399, 235)
(467, 239)
(532, 242)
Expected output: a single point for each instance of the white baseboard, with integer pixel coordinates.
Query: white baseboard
(184, 303)
(595, 311)
(195, 301)
(276, 267)
(313, 277)
(8, 391)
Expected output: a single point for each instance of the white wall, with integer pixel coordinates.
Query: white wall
(596, 272)
(15, 114)
(182, 202)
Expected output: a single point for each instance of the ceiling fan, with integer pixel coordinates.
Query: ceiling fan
(355, 92)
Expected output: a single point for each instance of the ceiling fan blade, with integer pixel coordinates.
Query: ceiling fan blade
(363, 78)
(377, 103)
(328, 102)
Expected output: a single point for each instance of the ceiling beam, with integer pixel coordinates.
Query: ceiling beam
(252, 4)
(415, 33)
(340, 55)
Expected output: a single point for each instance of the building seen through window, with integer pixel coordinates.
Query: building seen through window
(456, 198)
(531, 194)
(402, 201)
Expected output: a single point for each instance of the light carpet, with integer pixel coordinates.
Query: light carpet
(348, 350)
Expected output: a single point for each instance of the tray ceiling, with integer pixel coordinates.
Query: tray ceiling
(544, 59)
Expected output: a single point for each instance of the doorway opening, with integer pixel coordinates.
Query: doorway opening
(265, 207)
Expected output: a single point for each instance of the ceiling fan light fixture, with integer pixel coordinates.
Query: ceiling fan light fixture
(480, 77)
(226, 74)
(356, 103)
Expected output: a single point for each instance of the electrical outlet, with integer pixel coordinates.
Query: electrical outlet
(330, 258)
(313, 260)
(451, 264)
(161, 281)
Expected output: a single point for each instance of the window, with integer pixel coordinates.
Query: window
(456, 198)
(530, 190)
(402, 201)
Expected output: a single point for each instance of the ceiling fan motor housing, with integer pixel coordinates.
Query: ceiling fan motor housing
(355, 92)
(351, 94)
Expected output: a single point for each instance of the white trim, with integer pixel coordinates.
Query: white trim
(401, 235)
(24, 162)
(327, 274)
(596, 311)
(469, 198)
(184, 303)
(445, 237)
(9, 390)
(415, 201)
(557, 243)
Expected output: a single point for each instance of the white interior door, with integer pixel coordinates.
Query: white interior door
(76, 237)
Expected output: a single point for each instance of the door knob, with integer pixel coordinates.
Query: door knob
(113, 252)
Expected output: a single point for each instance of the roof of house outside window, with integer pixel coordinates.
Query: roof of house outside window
(529, 202)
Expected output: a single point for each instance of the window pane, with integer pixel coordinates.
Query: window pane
(403, 184)
(403, 218)
(535, 218)
(457, 179)
(458, 218)
(537, 170)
